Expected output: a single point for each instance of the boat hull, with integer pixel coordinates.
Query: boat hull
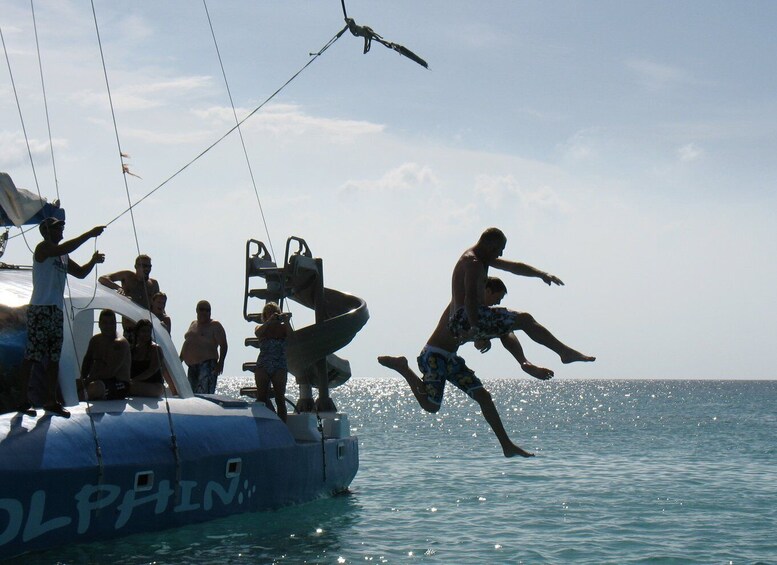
(122, 467)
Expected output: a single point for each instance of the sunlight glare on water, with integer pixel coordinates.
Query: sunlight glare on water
(626, 472)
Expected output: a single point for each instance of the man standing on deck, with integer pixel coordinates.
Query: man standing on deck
(50, 267)
(136, 285)
(204, 350)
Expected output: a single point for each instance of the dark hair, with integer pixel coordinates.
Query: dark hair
(493, 235)
(495, 285)
(106, 312)
(142, 324)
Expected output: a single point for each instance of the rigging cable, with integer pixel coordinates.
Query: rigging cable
(173, 438)
(21, 117)
(237, 125)
(45, 99)
(239, 130)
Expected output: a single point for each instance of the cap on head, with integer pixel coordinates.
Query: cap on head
(49, 223)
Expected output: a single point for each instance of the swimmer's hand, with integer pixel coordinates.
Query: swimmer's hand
(549, 279)
(483, 345)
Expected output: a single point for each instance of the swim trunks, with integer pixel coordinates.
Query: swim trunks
(44, 333)
(494, 322)
(272, 355)
(202, 377)
(115, 389)
(438, 366)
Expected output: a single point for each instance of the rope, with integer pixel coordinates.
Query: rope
(239, 130)
(173, 438)
(237, 125)
(45, 99)
(21, 117)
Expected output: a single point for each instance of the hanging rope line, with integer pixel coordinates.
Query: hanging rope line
(239, 130)
(314, 56)
(115, 127)
(45, 98)
(173, 438)
(21, 116)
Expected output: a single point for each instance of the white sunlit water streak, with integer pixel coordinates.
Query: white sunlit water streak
(645, 471)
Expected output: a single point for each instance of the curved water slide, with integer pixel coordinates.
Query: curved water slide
(310, 350)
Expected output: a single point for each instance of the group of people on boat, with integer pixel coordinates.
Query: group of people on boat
(113, 366)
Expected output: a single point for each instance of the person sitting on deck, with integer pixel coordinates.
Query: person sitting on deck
(105, 369)
(271, 363)
(158, 304)
(146, 369)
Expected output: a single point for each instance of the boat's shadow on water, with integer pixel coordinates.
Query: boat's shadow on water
(308, 533)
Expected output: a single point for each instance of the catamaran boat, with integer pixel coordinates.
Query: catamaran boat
(117, 467)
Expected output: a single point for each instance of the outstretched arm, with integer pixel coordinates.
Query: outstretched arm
(49, 249)
(524, 270)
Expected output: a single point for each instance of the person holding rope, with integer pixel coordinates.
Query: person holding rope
(45, 314)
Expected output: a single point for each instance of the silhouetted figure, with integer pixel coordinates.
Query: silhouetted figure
(50, 267)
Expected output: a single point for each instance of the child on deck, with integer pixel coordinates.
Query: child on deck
(271, 363)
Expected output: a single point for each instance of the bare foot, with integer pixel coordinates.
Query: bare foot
(571, 356)
(396, 363)
(512, 450)
(540, 373)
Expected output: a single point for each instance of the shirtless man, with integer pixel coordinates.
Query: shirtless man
(136, 285)
(471, 319)
(105, 370)
(204, 350)
(438, 363)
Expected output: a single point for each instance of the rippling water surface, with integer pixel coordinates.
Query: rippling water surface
(626, 472)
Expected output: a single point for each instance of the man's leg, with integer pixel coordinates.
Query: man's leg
(511, 344)
(483, 398)
(24, 382)
(400, 365)
(541, 335)
(52, 383)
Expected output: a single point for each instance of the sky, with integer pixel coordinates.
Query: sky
(626, 147)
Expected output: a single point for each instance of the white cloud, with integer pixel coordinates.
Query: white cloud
(144, 96)
(657, 76)
(291, 120)
(497, 191)
(690, 152)
(13, 150)
(407, 176)
(579, 147)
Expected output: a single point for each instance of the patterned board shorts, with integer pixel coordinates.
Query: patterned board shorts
(203, 377)
(438, 366)
(44, 333)
(494, 322)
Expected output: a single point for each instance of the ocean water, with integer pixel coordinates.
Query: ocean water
(649, 471)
